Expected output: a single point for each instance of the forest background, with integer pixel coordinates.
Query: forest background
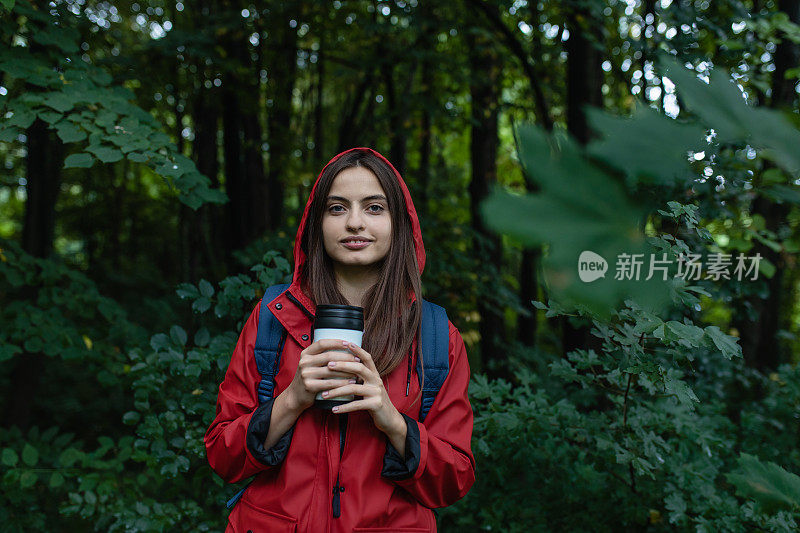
(155, 158)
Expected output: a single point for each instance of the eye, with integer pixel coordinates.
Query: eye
(375, 208)
(336, 208)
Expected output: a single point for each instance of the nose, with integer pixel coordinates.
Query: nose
(355, 220)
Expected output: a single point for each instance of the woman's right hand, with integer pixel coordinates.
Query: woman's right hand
(313, 375)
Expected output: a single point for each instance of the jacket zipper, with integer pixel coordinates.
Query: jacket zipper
(336, 504)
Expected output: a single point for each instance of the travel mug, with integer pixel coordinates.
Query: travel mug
(343, 322)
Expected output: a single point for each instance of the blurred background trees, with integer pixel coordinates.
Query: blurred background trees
(156, 158)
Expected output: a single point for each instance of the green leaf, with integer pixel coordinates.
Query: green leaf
(27, 479)
(9, 457)
(187, 290)
(725, 343)
(782, 193)
(106, 154)
(33, 345)
(578, 209)
(159, 342)
(50, 117)
(178, 335)
(8, 4)
(648, 146)
(137, 157)
(106, 118)
(201, 305)
(59, 101)
(130, 418)
(8, 134)
(678, 387)
(30, 455)
(57, 36)
(69, 457)
(202, 337)
(82, 160)
(69, 133)
(768, 484)
(721, 106)
(206, 289)
(686, 334)
(56, 480)
(22, 118)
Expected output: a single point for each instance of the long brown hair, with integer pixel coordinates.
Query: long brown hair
(391, 321)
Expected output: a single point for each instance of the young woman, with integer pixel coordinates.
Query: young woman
(370, 465)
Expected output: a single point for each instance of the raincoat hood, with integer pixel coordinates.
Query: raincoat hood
(300, 256)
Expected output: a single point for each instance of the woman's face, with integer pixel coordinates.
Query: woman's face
(356, 225)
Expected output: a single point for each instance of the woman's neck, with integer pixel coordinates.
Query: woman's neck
(354, 282)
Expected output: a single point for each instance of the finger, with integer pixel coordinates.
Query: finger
(323, 345)
(351, 368)
(362, 354)
(344, 390)
(319, 385)
(323, 372)
(321, 360)
(356, 405)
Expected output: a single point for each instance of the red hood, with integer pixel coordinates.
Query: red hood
(300, 256)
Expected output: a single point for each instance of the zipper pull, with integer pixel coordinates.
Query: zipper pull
(337, 507)
(408, 373)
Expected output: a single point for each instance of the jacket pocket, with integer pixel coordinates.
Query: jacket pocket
(247, 518)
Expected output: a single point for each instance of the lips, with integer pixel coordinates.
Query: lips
(355, 243)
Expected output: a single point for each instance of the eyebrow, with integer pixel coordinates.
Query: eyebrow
(365, 199)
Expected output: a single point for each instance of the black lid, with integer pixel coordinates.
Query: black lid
(339, 317)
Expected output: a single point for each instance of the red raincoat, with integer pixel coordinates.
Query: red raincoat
(331, 475)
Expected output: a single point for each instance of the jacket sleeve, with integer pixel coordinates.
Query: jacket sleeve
(438, 468)
(235, 440)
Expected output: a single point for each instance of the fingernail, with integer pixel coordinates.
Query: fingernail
(324, 394)
(345, 343)
(335, 409)
(351, 381)
(358, 360)
(332, 363)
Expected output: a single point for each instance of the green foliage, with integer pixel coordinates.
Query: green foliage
(580, 208)
(53, 309)
(83, 105)
(655, 145)
(719, 104)
(631, 435)
(769, 484)
(174, 386)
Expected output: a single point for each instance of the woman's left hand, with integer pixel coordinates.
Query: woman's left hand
(375, 399)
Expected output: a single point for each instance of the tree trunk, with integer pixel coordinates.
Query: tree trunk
(424, 173)
(282, 75)
(584, 82)
(757, 319)
(238, 208)
(44, 161)
(319, 121)
(485, 92)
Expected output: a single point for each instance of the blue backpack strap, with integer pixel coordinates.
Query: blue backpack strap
(267, 352)
(435, 354)
(268, 344)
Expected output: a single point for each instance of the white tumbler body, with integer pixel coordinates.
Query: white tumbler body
(350, 335)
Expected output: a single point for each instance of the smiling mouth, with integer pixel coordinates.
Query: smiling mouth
(355, 244)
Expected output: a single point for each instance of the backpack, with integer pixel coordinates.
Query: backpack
(434, 342)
